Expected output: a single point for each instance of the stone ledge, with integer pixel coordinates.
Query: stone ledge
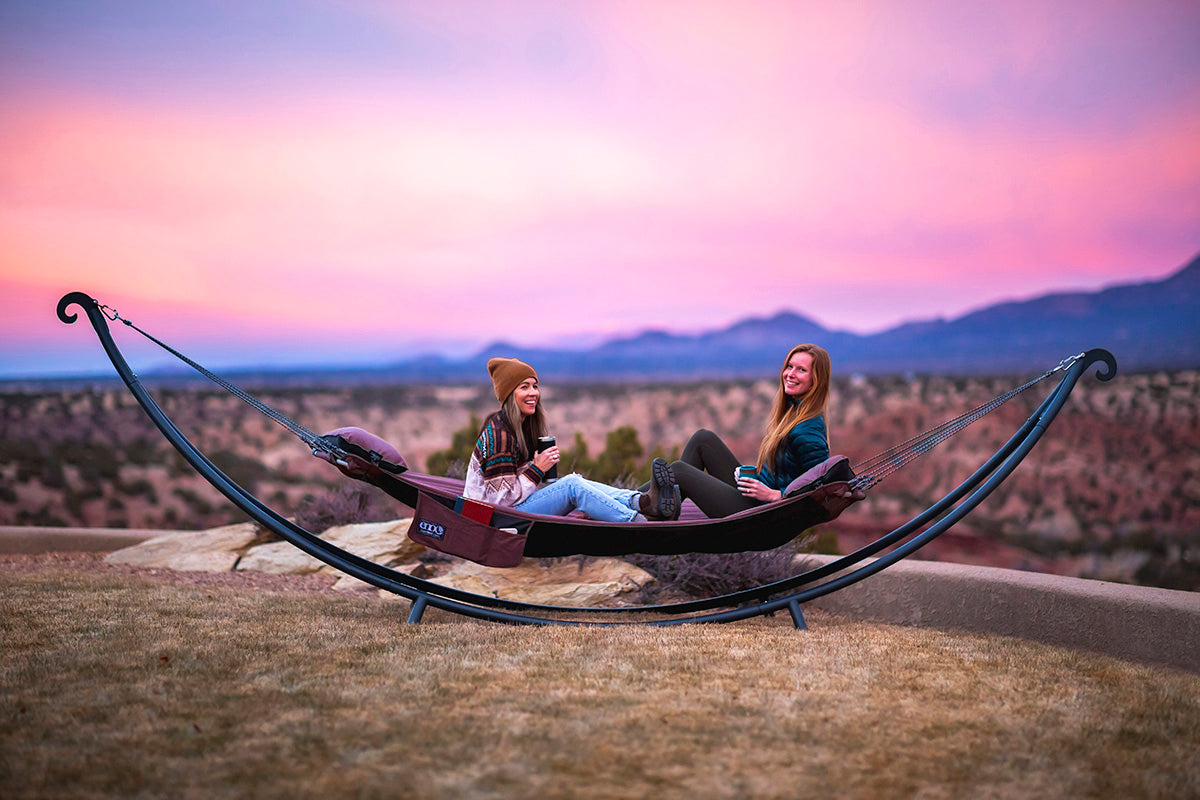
(1135, 623)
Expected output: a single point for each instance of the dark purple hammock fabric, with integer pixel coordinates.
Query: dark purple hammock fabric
(816, 497)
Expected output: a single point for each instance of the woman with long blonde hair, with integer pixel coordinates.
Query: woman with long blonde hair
(795, 440)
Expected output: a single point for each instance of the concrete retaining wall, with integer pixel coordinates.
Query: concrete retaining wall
(30, 540)
(1136, 623)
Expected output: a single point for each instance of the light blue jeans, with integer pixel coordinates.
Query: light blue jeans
(597, 500)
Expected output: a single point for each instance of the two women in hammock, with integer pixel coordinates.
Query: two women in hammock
(507, 470)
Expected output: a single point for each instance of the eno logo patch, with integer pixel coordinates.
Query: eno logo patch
(431, 529)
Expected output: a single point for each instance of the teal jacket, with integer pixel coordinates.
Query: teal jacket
(806, 446)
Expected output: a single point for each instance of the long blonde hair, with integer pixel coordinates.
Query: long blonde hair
(786, 414)
(526, 429)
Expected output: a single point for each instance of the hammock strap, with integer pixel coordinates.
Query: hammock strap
(313, 440)
(870, 472)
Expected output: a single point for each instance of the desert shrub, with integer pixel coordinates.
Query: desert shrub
(74, 499)
(824, 541)
(624, 461)
(712, 574)
(177, 467)
(387, 396)
(456, 469)
(141, 451)
(1174, 570)
(139, 487)
(52, 475)
(192, 499)
(343, 506)
(43, 517)
(452, 462)
(574, 458)
(18, 451)
(621, 458)
(242, 470)
(94, 460)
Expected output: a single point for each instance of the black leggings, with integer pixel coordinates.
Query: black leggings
(705, 474)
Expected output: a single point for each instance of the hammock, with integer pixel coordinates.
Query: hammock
(760, 528)
(504, 535)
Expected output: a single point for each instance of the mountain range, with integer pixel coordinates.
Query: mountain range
(1147, 326)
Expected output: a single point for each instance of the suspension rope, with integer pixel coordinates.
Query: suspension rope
(870, 472)
(310, 438)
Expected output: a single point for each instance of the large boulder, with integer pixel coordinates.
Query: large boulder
(593, 582)
(562, 583)
(215, 550)
(381, 542)
(277, 558)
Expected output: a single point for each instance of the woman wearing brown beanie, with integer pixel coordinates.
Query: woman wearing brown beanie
(507, 470)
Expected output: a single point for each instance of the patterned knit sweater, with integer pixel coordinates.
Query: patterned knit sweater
(494, 476)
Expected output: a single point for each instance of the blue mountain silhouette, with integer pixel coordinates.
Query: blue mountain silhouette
(1150, 325)
(1147, 326)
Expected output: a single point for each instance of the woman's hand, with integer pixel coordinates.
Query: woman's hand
(546, 459)
(758, 490)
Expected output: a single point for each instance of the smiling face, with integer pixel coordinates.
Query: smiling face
(526, 396)
(796, 377)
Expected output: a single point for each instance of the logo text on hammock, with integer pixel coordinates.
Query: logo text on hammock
(431, 529)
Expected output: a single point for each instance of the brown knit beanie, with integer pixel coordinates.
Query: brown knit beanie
(507, 374)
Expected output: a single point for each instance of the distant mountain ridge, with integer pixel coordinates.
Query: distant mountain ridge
(1150, 325)
(1147, 326)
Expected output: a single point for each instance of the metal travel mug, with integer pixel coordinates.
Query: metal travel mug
(545, 443)
(744, 471)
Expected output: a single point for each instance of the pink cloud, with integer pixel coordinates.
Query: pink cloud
(627, 169)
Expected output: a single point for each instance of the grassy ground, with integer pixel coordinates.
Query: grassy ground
(114, 686)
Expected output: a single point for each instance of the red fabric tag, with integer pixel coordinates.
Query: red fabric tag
(473, 509)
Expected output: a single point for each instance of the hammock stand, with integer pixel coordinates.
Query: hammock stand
(789, 593)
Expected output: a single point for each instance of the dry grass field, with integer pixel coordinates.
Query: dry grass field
(120, 685)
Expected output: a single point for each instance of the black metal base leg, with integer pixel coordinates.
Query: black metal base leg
(418, 610)
(797, 615)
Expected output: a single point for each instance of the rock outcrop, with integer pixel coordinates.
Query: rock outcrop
(565, 583)
(214, 550)
(592, 582)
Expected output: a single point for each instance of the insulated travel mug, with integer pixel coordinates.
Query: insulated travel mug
(545, 443)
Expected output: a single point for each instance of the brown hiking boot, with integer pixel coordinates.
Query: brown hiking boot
(663, 500)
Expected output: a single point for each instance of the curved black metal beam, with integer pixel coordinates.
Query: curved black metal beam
(339, 559)
(424, 593)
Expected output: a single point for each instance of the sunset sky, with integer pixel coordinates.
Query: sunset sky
(320, 181)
